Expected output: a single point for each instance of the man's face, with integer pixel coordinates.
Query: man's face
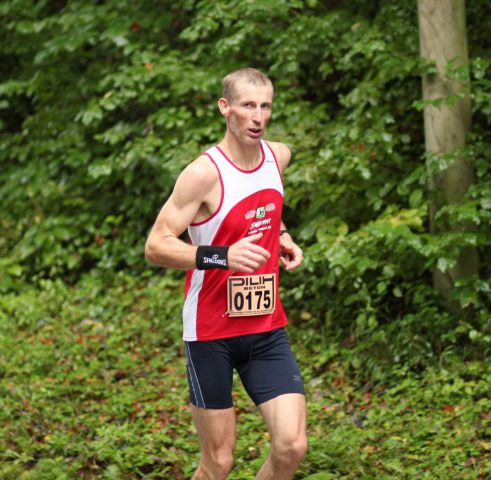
(249, 113)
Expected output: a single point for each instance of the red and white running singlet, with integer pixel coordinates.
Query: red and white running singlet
(251, 202)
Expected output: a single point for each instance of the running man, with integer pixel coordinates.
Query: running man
(230, 201)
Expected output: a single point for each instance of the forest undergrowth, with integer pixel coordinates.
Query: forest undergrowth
(93, 386)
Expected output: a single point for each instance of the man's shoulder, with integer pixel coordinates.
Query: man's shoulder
(200, 173)
(202, 168)
(282, 152)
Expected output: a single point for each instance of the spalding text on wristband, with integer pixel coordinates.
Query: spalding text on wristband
(208, 256)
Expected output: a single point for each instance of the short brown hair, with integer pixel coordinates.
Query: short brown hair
(249, 75)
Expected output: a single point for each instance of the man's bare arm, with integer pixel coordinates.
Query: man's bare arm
(163, 246)
(291, 255)
(192, 190)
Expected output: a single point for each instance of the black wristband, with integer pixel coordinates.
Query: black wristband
(208, 257)
(284, 231)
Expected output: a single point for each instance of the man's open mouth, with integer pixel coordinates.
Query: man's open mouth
(255, 131)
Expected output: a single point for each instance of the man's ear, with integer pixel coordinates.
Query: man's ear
(223, 106)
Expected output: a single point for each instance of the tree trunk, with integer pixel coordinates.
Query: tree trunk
(442, 35)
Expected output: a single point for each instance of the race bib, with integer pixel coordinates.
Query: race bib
(251, 295)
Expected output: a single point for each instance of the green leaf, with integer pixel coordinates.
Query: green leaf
(443, 264)
(397, 292)
(473, 334)
(416, 198)
(486, 203)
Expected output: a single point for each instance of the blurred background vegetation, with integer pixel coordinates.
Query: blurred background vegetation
(102, 103)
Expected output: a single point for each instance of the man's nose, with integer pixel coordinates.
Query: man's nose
(257, 115)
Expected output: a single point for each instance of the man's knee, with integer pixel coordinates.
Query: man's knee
(290, 450)
(215, 466)
(224, 461)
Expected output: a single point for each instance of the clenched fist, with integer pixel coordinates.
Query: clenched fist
(246, 256)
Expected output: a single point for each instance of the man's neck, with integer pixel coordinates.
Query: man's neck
(246, 157)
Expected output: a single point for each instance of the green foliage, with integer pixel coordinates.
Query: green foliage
(94, 387)
(82, 393)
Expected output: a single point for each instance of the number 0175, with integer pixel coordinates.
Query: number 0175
(251, 295)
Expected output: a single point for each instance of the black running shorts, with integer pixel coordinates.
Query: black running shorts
(264, 362)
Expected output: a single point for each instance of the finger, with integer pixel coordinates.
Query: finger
(254, 257)
(284, 261)
(287, 249)
(291, 262)
(254, 238)
(246, 260)
(291, 266)
(246, 267)
(258, 250)
(238, 265)
(294, 264)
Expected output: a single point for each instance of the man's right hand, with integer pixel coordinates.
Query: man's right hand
(246, 256)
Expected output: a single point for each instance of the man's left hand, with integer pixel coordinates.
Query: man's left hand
(291, 255)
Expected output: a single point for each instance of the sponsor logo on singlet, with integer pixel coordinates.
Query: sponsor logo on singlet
(260, 223)
(260, 212)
